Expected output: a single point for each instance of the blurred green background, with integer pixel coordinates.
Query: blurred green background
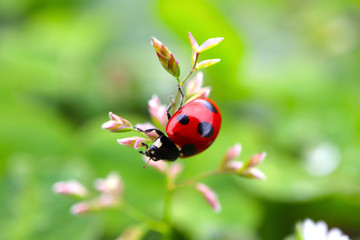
(288, 84)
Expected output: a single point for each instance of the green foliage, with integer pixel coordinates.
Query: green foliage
(287, 83)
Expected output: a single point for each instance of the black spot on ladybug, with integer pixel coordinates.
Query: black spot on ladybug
(183, 119)
(209, 106)
(205, 129)
(188, 149)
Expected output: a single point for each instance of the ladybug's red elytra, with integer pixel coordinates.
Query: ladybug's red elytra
(191, 130)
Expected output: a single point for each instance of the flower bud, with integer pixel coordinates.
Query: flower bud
(133, 233)
(256, 159)
(144, 126)
(72, 187)
(111, 185)
(81, 208)
(210, 196)
(228, 163)
(157, 111)
(252, 173)
(234, 166)
(233, 153)
(117, 124)
(175, 169)
(158, 165)
(193, 86)
(134, 142)
(166, 58)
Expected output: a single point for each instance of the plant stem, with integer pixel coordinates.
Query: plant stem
(180, 83)
(143, 218)
(169, 187)
(192, 181)
(193, 68)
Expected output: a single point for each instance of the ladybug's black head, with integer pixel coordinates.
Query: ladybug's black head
(162, 149)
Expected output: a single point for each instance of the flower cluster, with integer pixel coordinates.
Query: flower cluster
(246, 169)
(310, 230)
(110, 192)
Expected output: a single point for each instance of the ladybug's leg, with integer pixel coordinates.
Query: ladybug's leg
(145, 145)
(169, 107)
(158, 132)
(182, 96)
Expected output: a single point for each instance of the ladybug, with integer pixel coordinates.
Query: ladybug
(191, 130)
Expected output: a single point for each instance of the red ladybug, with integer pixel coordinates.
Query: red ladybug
(191, 130)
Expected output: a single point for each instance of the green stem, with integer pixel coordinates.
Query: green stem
(169, 187)
(183, 81)
(194, 180)
(193, 68)
(143, 218)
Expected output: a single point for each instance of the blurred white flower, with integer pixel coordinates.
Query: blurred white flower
(319, 231)
(322, 159)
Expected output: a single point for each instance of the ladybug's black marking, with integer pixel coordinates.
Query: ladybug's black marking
(188, 149)
(183, 119)
(209, 106)
(205, 129)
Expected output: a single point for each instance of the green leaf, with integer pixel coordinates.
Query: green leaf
(207, 63)
(210, 43)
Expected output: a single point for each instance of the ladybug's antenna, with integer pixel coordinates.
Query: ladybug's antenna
(147, 163)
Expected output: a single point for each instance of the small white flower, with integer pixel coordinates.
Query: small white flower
(319, 231)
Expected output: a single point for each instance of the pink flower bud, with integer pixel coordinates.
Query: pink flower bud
(81, 208)
(144, 126)
(210, 196)
(228, 164)
(111, 185)
(204, 92)
(133, 233)
(233, 153)
(158, 165)
(117, 124)
(166, 58)
(175, 169)
(253, 173)
(107, 201)
(72, 187)
(234, 166)
(193, 86)
(256, 159)
(134, 142)
(157, 111)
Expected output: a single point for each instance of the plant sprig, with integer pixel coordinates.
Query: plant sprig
(172, 66)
